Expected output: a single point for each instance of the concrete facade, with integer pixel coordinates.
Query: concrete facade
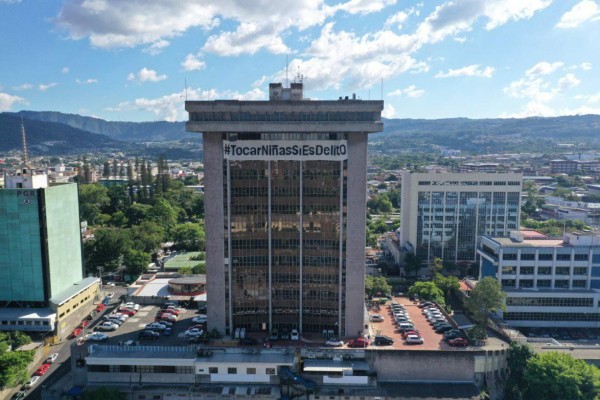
(445, 214)
(284, 248)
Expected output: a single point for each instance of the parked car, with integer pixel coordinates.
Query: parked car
(31, 382)
(42, 369)
(164, 322)
(376, 318)
(414, 339)
(76, 332)
(443, 328)
(97, 337)
(83, 324)
(110, 295)
(168, 331)
(285, 335)
(333, 342)
(358, 343)
(425, 304)
(108, 326)
(458, 342)
(198, 339)
(295, 335)
(115, 320)
(170, 311)
(127, 311)
(194, 332)
(381, 340)
(413, 332)
(51, 358)
(131, 305)
(453, 334)
(100, 307)
(91, 316)
(19, 395)
(148, 335)
(274, 334)
(155, 326)
(248, 341)
(200, 319)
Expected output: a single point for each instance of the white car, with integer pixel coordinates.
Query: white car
(156, 326)
(194, 332)
(334, 342)
(97, 337)
(295, 335)
(31, 382)
(108, 326)
(122, 317)
(133, 306)
(110, 295)
(51, 358)
(376, 318)
(200, 319)
(414, 339)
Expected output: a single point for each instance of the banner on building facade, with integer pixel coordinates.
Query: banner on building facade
(302, 150)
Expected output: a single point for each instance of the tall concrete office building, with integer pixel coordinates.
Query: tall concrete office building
(445, 215)
(285, 183)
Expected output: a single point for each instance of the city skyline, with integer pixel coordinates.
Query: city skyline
(139, 60)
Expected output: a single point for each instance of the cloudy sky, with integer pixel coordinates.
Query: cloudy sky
(130, 60)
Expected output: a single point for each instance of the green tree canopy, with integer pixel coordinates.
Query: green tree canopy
(163, 214)
(553, 375)
(105, 249)
(146, 236)
(93, 200)
(427, 291)
(136, 261)
(412, 264)
(189, 237)
(486, 297)
(377, 284)
(518, 356)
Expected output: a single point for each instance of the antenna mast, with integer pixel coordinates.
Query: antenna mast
(25, 158)
(287, 83)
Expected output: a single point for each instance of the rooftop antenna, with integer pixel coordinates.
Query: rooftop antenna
(287, 83)
(25, 157)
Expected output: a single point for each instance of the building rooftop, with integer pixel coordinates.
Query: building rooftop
(73, 290)
(508, 242)
(30, 313)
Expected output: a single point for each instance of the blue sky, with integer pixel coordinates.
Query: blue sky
(130, 60)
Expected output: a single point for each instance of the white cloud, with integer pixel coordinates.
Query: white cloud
(156, 47)
(389, 111)
(459, 39)
(470, 70)
(248, 38)
(544, 68)
(397, 19)
(9, 1)
(45, 86)
(25, 86)
(541, 90)
(7, 101)
(170, 107)
(146, 75)
(586, 66)
(65, 70)
(193, 63)
(410, 91)
(365, 6)
(585, 10)
(86, 82)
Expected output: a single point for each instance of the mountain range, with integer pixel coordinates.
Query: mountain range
(58, 133)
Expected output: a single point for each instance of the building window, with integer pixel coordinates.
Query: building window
(581, 257)
(563, 284)
(509, 269)
(544, 283)
(563, 270)
(508, 283)
(251, 371)
(580, 271)
(579, 283)
(546, 257)
(270, 371)
(213, 370)
(544, 270)
(509, 256)
(527, 257)
(526, 283)
(563, 257)
(526, 271)
(232, 370)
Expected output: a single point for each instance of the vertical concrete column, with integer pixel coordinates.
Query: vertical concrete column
(355, 233)
(215, 232)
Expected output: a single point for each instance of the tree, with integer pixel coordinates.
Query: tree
(146, 236)
(106, 169)
(427, 291)
(189, 237)
(412, 264)
(486, 297)
(19, 339)
(103, 393)
(105, 250)
(93, 200)
(163, 214)
(554, 375)
(449, 285)
(518, 356)
(136, 261)
(13, 367)
(436, 267)
(376, 284)
(137, 212)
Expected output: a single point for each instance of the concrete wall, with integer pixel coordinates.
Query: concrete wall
(418, 365)
(213, 203)
(355, 233)
(139, 378)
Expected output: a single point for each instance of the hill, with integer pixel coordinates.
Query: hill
(51, 138)
(487, 135)
(159, 131)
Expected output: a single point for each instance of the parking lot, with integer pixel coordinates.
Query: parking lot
(130, 329)
(431, 339)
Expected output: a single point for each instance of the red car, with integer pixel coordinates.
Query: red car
(42, 370)
(458, 342)
(170, 311)
(76, 332)
(127, 311)
(414, 332)
(100, 307)
(83, 324)
(166, 317)
(358, 342)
